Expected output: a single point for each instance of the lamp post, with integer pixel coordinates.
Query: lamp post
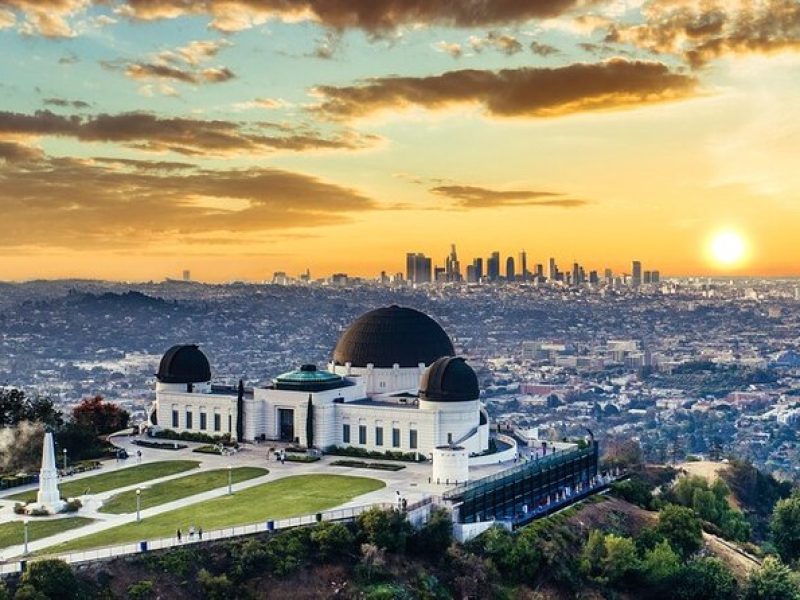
(25, 543)
(230, 479)
(65, 461)
(138, 504)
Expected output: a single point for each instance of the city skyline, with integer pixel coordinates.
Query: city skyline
(140, 138)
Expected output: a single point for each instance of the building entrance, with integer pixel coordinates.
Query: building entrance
(286, 424)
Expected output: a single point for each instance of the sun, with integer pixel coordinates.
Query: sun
(728, 248)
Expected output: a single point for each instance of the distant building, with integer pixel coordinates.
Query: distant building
(510, 272)
(636, 274)
(418, 268)
(187, 275)
(493, 267)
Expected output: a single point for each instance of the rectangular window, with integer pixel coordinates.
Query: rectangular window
(188, 419)
(346, 433)
(395, 438)
(217, 422)
(412, 439)
(450, 438)
(203, 421)
(362, 435)
(379, 436)
(175, 419)
(230, 423)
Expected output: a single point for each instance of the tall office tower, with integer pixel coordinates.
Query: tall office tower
(471, 274)
(452, 266)
(493, 267)
(439, 274)
(646, 277)
(411, 267)
(581, 275)
(594, 278)
(609, 276)
(418, 268)
(636, 274)
(426, 267)
(553, 271)
(187, 275)
(478, 264)
(576, 274)
(538, 271)
(510, 273)
(523, 266)
(655, 277)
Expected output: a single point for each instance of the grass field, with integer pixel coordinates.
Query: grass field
(175, 489)
(105, 482)
(291, 496)
(12, 533)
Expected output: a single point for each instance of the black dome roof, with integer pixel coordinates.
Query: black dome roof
(184, 364)
(449, 379)
(392, 335)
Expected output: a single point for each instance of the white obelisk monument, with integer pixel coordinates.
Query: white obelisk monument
(49, 498)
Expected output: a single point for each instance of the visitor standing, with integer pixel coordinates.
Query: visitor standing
(178, 535)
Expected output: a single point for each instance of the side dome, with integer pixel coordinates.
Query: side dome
(449, 379)
(184, 364)
(392, 335)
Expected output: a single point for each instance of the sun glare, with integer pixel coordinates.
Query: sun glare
(728, 249)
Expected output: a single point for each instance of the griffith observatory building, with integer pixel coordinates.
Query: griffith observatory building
(393, 383)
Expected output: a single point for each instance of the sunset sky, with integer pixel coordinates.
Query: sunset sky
(236, 138)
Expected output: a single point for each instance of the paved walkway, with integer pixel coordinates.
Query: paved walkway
(412, 483)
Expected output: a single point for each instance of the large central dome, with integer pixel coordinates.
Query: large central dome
(392, 335)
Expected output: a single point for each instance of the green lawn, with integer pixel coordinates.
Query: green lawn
(287, 497)
(12, 533)
(104, 482)
(175, 489)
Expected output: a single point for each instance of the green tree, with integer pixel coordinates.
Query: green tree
(496, 544)
(773, 581)
(384, 528)
(593, 553)
(4, 595)
(681, 528)
(660, 564)
(704, 579)
(621, 562)
(53, 578)
(333, 540)
(785, 527)
(434, 537)
(141, 590)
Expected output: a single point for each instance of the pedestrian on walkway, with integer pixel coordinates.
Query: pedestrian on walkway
(200, 533)
(191, 532)
(178, 535)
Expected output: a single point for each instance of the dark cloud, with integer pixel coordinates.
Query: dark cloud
(373, 16)
(468, 196)
(701, 30)
(505, 43)
(187, 136)
(543, 49)
(82, 203)
(13, 152)
(530, 92)
(61, 102)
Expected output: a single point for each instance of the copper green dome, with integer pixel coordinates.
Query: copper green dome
(308, 379)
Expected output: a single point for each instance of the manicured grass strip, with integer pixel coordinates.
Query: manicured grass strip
(287, 497)
(112, 480)
(175, 489)
(12, 533)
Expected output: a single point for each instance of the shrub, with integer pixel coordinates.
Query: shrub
(215, 588)
(364, 453)
(773, 581)
(195, 436)
(360, 464)
(141, 590)
(19, 508)
(53, 578)
(333, 540)
(704, 579)
(785, 526)
(73, 505)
